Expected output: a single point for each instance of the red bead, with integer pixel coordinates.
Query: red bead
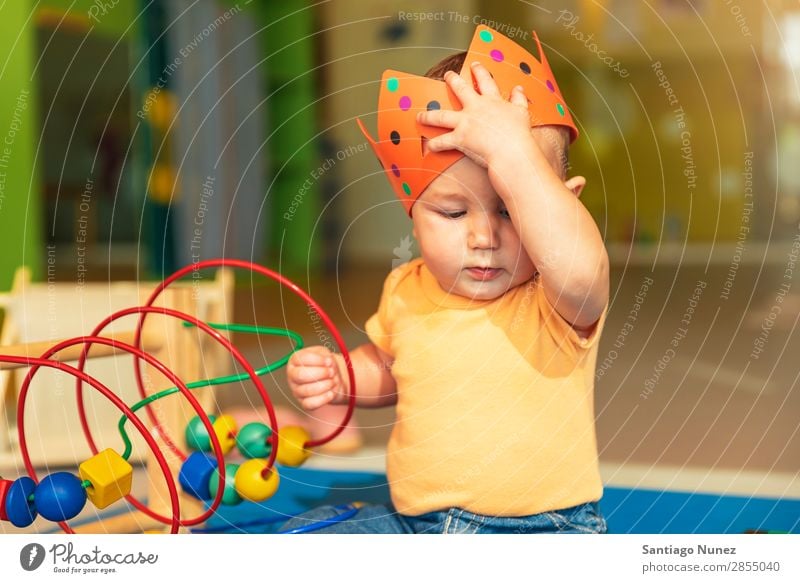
(4, 486)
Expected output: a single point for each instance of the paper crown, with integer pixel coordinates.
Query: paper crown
(399, 147)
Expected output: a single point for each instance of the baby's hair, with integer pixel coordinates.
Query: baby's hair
(557, 135)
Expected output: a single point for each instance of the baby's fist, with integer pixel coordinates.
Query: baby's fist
(314, 377)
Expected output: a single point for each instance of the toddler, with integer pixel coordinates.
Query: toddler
(486, 344)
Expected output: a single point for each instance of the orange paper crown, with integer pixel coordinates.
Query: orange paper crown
(403, 95)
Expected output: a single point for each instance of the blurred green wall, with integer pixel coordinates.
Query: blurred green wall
(21, 219)
(20, 201)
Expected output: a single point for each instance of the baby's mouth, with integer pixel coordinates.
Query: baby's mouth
(484, 273)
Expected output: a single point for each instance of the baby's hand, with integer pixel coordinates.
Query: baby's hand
(314, 377)
(487, 126)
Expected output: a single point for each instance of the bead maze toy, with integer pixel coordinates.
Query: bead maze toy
(204, 480)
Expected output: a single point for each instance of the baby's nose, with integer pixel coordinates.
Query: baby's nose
(483, 234)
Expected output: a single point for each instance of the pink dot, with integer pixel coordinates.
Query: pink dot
(405, 102)
(497, 56)
(550, 86)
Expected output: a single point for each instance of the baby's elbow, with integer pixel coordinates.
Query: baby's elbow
(590, 295)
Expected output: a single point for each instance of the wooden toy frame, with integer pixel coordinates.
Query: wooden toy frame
(188, 354)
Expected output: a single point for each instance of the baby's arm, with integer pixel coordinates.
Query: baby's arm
(558, 233)
(318, 376)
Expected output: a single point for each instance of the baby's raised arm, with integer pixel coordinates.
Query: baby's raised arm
(318, 376)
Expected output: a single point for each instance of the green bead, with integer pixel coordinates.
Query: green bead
(392, 83)
(230, 497)
(560, 108)
(407, 188)
(252, 440)
(486, 36)
(196, 435)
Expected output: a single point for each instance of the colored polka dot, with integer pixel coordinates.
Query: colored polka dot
(392, 83)
(560, 108)
(486, 36)
(395, 137)
(407, 188)
(395, 170)
(497, 56)
(405, 102)
(433, 105)
(550, 86)
(525, 68)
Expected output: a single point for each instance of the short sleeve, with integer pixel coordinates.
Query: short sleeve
(561, 330)
(379, 326)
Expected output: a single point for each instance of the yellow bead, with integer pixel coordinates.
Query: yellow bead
(225, 427)
(251, 485)
(111, 477)
(290, 446)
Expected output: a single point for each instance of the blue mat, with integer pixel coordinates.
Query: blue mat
(627, 511)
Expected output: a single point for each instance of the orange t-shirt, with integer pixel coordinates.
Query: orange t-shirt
(495, 408)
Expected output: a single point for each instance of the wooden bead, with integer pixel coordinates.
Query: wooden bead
(4, 486)
(230, 497)
(290, 446)
(59, 496)
(225, 428)
(19, 511)
(111, 477)
(252, 440)
(251, 485)
(195, 474)
(196, 435)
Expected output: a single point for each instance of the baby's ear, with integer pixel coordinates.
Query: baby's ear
(576, 184)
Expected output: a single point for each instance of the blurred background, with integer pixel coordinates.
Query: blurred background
(141, 136)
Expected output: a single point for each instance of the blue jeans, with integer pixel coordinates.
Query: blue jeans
(384, 519)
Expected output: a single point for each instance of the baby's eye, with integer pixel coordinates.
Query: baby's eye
(452, 214)
(504, 213)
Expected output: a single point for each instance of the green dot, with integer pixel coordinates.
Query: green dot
(485, 36)
(560, 108)
(407, 188)
(392, 83)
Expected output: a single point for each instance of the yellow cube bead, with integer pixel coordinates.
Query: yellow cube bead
(290, 446)
(111, 477)
(251, 485)
(225, 427)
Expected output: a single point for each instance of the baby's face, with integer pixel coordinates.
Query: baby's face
(466, 237)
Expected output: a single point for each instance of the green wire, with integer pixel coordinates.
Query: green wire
(298, 341)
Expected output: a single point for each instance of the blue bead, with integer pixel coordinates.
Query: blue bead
(60, 496)
(20, 512)
(195, 473)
